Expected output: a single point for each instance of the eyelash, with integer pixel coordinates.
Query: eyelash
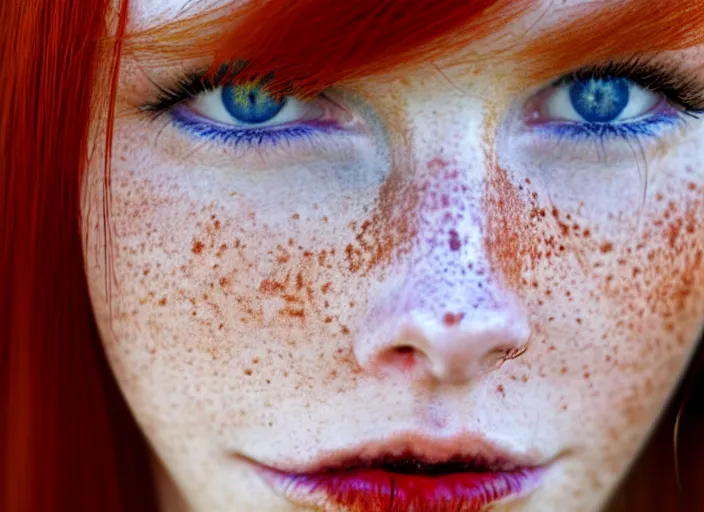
(681, 91)
(171, 98)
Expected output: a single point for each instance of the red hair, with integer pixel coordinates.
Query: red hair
(67, 439)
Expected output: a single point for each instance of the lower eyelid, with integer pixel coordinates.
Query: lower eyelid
(653, 127)
(320, 137)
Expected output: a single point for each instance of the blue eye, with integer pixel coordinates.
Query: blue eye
(600, 100)
(601, 107)
(248, 115)
(250, 103)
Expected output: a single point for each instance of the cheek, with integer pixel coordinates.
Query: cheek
(234, 283)
(616, 303)
(617, 300)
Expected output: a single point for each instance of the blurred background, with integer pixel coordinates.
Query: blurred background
(652, 484)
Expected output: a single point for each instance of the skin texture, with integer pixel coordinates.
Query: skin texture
(437, 269)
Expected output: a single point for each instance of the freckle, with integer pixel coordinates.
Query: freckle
(606, 247)
(220, 326)
(579, 321)
(455, 243)
(528, 181)
(563, 370)
(146, 272)
(224, 281)
(162, 302)
(568, 293)
(524, 378)
(535, 284)
(586, 233)
(344, 330)
(586, 375)
(451, 319)
(295, 216)
(294, 313)
(217, 224)
(197, 247)
(248, 371)
(268, 381)
(299, 281)
(328, 319)
(255, 360)
(691, 186)
(193, 313)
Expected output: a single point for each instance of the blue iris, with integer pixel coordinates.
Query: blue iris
(600, 100)
(250, 103)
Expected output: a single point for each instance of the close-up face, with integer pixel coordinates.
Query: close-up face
(443, 287)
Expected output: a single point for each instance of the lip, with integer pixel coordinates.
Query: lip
(408, 473)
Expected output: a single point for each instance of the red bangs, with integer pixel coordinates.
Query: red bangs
(613, 31)
(313, 44)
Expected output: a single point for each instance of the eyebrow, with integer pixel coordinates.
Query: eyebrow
(613, 31)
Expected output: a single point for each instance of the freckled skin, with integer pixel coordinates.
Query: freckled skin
(437, 275)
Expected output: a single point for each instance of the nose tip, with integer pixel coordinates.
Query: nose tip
(452, 348)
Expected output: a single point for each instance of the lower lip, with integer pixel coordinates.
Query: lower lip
(378, 490)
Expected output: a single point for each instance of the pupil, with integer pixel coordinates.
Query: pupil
(600, 100)
(251, 104)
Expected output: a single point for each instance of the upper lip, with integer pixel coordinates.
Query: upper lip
(464, 452)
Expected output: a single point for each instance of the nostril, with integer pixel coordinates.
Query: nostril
(402, 357)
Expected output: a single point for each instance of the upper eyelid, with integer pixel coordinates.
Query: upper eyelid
(690, 89)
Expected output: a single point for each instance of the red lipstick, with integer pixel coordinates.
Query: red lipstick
(412, 474)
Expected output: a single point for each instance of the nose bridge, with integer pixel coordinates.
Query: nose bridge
(450, 264)
(451, 168)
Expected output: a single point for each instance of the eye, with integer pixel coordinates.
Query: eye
(250, 106)
(597, 100)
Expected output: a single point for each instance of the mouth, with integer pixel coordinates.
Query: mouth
(411, 473)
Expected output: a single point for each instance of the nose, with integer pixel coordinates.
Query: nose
(419, 341)
(449, 316)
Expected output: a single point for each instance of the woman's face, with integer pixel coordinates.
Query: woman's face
(406, 271)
